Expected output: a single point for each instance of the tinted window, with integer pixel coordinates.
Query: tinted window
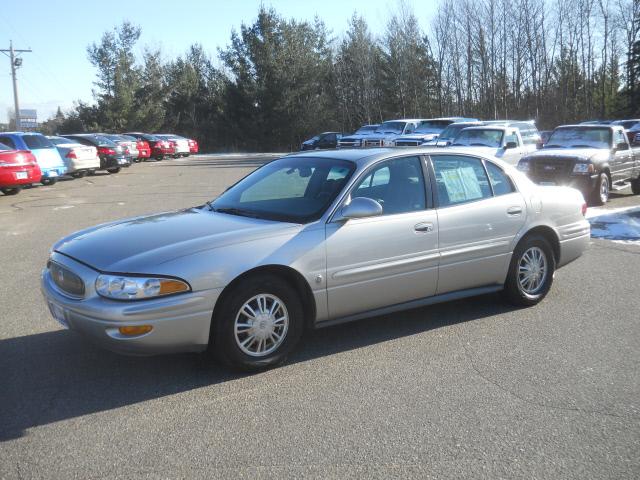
(8, 142)
(500, 182)
(479, 137)
(460, 179)
(398, 185)
(35, 142)
(3, 147)
(291, 189)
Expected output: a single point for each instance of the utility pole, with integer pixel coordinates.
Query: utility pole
(16, 62)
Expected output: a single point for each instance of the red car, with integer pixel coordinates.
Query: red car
(193, 146)
(17, 168)
(159, 148)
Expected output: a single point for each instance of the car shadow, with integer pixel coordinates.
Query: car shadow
(53, 376)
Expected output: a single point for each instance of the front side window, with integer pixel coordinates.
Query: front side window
(291, 189)
(460, 179)
(397, 184)
(619, 138)
(511, 137)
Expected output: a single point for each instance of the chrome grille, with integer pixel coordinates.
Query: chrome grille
(408, 143)
(546, 167)
(66, 280)
(373, 143)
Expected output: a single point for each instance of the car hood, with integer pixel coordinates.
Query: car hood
(137, 245)
(584, 154)
(358, 136)
(383, 136)
(419, 136)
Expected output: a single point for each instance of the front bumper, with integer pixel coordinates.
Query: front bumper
(180, 322)
(585, 183)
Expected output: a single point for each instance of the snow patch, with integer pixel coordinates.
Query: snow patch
(622, 225)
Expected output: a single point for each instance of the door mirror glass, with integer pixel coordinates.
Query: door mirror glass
(510, 145)
(361, 207)
(622, 146)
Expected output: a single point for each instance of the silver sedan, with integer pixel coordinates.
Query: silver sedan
(311, 240)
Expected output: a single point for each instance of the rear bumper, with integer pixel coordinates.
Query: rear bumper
(9, 176)
(51, 172)
(574, 240)
(73, 165)
(180, 323)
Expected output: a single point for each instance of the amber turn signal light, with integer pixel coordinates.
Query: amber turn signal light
(131, 330)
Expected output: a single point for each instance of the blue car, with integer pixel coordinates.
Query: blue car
(46, 153)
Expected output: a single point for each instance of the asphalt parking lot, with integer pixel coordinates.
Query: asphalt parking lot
(470, 389)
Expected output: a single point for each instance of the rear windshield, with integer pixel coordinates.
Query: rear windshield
(4, 147)
(35, 142)
(150, 138)
(61, 141)
(102, 140)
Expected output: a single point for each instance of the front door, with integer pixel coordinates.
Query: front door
(389, 259)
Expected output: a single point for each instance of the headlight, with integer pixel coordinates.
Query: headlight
(583, 168)
(523, 165)
(120, 287)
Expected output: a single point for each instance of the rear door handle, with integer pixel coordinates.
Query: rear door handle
(514, 211)
(423, 227)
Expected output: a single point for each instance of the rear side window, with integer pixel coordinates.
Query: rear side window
(35, 142)
(8, 141)
(460, 179)
(500, 181)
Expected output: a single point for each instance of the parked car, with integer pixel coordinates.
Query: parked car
(181, 144)
(79, 159)
(129, 145)
(18, 168)
(160, 148)
(592, 158)
(193, 146)
(631, 127)
(112, 157)
(448, 135)
(355, 140)
(387, 132)
(142, 146)
(505, 143)
(322, 141)
(427, 131)
(49, 160)
(310, 240)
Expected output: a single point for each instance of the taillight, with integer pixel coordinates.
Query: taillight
(71, 154)
(584, 208)
(106, 151)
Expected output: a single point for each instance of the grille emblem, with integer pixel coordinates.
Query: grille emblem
(549, 167)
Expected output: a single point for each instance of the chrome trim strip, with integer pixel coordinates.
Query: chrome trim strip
(384, 266)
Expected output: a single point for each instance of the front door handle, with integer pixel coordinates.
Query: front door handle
(514, 211)
(423, 227)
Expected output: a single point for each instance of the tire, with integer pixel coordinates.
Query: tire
(10, 191)
(159, 158)
(113, 170)
(47, 181)
(600, 194)
(91, 172)
(635, 186)
(225, 342)
(79, 174)
(516, 288)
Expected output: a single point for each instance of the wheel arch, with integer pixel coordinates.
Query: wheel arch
(549, 234)
(288, 274)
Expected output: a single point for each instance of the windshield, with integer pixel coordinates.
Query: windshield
(479, 137)
(367, 129)
(391, 127)
(433, 125)
(292, 189)
(580, 137)
(451, 131)
(35, 142)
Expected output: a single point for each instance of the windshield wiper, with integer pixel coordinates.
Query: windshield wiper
(554, 146)
(582, 146)
(237, 211)
(209, 204)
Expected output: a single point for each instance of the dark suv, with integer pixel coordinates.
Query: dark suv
(323, 141)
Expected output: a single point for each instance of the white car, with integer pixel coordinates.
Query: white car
(504, 142)
(181, 144)
(79, 159)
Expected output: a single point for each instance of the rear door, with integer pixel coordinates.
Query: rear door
(479, 214)
(389, 259)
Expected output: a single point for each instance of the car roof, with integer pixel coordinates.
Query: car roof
(21, 133)
(365, 156)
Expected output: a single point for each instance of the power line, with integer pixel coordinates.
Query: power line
(16, 62)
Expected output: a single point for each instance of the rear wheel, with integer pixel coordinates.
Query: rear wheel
(46, 181)
(600, 194)
(79, 174)
(113, 170)
(159, 157)
(530, 272)
(259, 322)
(10, 191)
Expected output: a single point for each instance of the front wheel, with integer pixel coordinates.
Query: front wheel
(113, 170)
(10, 191)
(600, 194)
(635, 186)
(47, 181)
(259, 322)
(530, 272)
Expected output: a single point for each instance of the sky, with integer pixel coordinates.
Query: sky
(58, 72)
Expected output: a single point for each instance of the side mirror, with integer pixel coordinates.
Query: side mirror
(622, 146)
(510, 145)
(361, 207)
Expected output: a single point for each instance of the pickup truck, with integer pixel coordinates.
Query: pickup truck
(502, 141)
(595, 159)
